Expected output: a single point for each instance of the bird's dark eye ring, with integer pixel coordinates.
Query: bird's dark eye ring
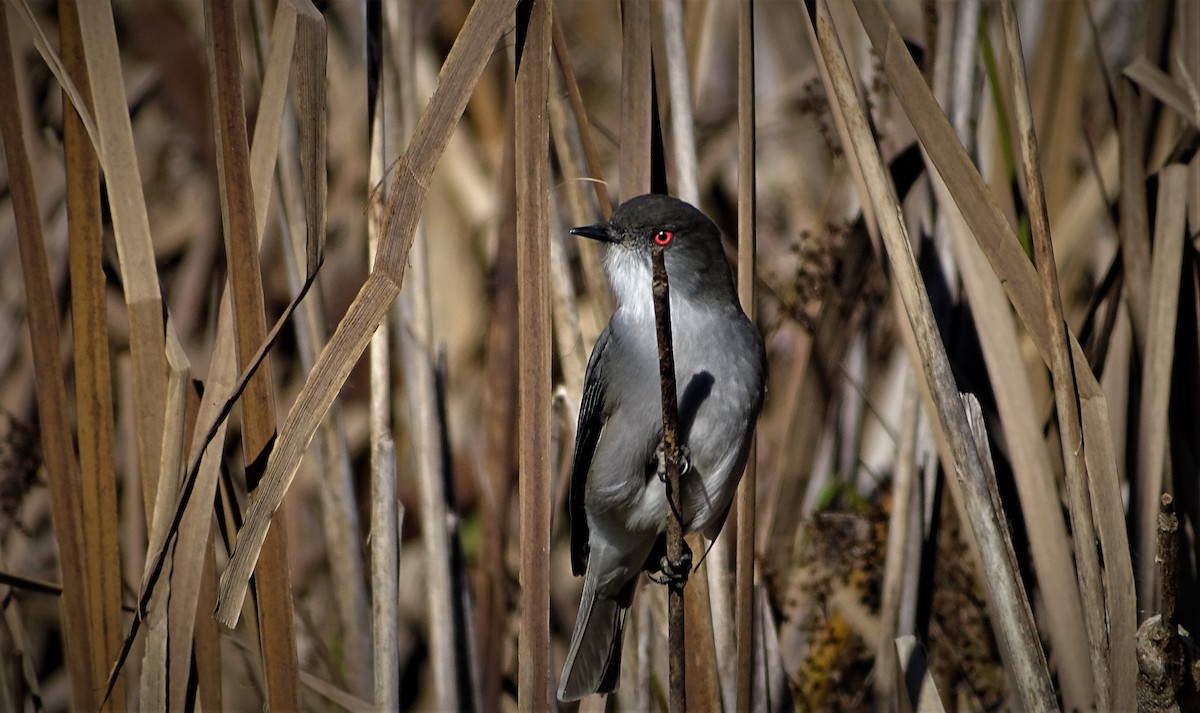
(664, 237)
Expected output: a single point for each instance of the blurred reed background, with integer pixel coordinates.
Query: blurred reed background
(916, 164)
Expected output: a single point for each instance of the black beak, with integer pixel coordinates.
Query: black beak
(599, 231)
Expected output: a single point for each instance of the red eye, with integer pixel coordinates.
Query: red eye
(664, 237)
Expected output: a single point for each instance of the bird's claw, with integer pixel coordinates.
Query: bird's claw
(675, 573)
(685, 460)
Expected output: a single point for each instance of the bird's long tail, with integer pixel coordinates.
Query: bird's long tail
(593, 662)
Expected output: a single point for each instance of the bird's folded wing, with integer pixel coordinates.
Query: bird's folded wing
(591, 422)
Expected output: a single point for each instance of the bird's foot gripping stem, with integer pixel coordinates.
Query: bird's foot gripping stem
(685, 460)
(675, 573)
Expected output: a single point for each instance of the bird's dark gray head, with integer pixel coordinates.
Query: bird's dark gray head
(696, 264)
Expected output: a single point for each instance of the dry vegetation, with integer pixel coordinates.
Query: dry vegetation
(918, 163)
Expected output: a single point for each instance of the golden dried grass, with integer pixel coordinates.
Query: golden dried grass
(836, 424)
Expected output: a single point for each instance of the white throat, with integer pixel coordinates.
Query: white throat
(631, 276)
(629, 273)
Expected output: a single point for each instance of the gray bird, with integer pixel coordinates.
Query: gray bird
(617, 503)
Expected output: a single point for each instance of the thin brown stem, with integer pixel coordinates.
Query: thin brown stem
(674, 515)
(746, 512)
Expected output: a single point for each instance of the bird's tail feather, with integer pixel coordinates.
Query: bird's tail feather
(593, 662)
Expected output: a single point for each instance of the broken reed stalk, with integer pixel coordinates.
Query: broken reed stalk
(1168, 561)
(674, 515)
(1166, 662)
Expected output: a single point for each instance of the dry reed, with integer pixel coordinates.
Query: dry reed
(878, 175)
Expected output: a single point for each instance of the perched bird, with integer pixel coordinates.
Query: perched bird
(617, 504)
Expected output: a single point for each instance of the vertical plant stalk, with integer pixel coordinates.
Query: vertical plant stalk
(634, 170)
(1134, 227)
(709, 601)
(1188, 22)
(498, 462)
(683, 131)
(416, 358)
(277, 634)
(93, 388)
(385, 561)
(191, 559)
(208, 637)
(898, 566)
(1066, 398)
(1153, 462)
(746, 511)
(1165, 680)
(701, 616)
(384, 540)
(453, 667)
(672, 456)
(58, 453)
(533, 355)
(1168, 561)
(635, 98)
